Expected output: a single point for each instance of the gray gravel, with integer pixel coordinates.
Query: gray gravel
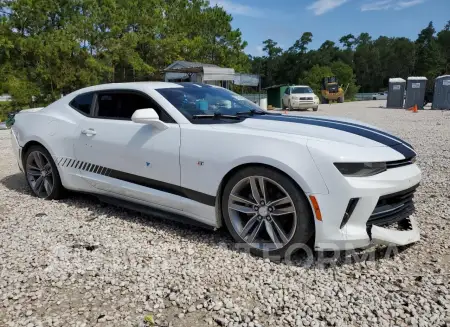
(77, 262)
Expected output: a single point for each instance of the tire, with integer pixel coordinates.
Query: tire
(374, 98)
(50, 187)
(340, 99)
(297, 225)
(315, 108)
(290, 106)
(324, 101)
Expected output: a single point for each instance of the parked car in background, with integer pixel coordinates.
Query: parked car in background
(3, 126)
(300, 97)
(201, 152)
(380, 96)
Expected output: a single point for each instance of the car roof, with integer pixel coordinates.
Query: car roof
(142, 86)
(299, 86)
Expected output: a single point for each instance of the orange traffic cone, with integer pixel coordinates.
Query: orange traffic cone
(415, 109)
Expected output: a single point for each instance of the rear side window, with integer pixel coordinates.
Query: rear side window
(82, 103)
(122, 105)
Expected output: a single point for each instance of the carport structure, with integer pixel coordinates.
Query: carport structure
(186, 71)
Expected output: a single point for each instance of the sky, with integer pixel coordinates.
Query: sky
(284, 21)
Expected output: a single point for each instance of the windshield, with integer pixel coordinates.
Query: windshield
(193, 100)
(296, 90)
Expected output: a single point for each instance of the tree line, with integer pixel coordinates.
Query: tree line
(361, 63)
(52, 47)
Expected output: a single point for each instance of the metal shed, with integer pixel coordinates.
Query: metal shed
(396, 93)
(441, 99)
(415, 91)
(275, 95)
(198, 73)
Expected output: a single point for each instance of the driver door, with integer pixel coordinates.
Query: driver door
(135, 161)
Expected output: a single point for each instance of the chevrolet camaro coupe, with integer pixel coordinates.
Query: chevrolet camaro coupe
(205, 154)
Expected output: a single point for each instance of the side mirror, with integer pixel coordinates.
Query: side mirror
(148, 117)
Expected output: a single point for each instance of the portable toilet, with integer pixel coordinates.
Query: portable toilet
(415, 91)
(396, 93)
(441, 98)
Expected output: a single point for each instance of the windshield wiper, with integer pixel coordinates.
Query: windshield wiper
(217, 115)
(251, 112)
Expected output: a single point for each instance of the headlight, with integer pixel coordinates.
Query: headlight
(360, 169)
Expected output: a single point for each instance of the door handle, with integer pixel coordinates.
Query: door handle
(88, 132)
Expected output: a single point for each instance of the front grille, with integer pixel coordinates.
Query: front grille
(306, 98)
(400, 163)
(393, 208)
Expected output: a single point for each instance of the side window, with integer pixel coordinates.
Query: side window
(288, 91)
(122, 105)
(82, 103)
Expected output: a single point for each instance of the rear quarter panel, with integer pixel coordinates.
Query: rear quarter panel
(53, 127)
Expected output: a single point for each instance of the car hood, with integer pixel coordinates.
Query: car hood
(324, 128)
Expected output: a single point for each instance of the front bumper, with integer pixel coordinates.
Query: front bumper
(358, 231)
(303, 104)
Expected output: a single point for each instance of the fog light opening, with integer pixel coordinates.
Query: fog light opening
(348, 212)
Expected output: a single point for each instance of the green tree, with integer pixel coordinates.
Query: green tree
(443, 39)
(429, 61)
(314, 77)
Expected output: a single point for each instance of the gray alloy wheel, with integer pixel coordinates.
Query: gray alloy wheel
(265, 220)
(39, 173)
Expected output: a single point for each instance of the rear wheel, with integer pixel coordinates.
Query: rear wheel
(290, 106)
(266, 212)
(374, 98)
(341, 99)
(41, 173)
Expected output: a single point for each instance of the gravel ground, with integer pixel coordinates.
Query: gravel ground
(77, 262)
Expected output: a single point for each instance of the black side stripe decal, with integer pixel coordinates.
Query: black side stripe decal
(143, 181)
(360, 130)
(164, 187)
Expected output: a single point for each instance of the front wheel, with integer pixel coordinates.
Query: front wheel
(266, 212)
(41, 173)
(315, 108)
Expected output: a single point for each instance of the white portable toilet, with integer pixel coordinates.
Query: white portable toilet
(441, 98)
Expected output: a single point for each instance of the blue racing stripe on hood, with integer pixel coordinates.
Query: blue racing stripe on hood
(361, 126)
(360, 130)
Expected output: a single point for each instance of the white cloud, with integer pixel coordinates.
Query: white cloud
(377, 5)
(390, 4)
(320, 7)
(407, 4)
(237, 9)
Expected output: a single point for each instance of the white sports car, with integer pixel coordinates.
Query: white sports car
(202, 153)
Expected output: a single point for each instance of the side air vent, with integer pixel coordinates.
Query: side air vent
(348, 212)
